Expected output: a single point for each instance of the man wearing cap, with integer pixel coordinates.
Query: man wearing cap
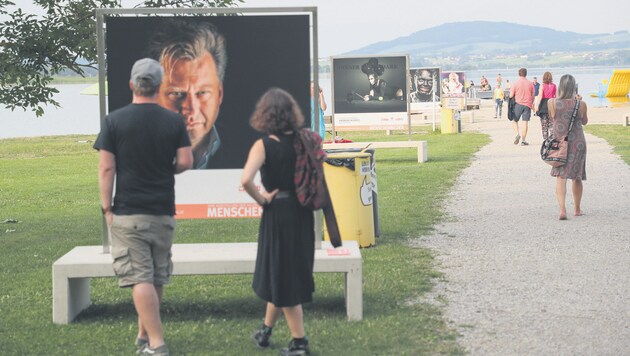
(142, 146)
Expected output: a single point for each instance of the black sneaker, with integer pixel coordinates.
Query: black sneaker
(296, 347)
(524, 143)
(261, 336)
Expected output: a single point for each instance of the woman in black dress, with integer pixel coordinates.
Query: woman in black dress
(284, 264)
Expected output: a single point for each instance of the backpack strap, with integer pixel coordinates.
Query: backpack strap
(574, 115)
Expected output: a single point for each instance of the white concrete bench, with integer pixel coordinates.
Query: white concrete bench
(72, 272)
(420, 145)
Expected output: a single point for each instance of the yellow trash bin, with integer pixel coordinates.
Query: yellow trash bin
(348, 176)
(448, 122)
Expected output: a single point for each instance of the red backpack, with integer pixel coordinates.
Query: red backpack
(310, 186)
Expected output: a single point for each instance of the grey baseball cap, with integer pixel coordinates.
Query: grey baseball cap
(147, 69)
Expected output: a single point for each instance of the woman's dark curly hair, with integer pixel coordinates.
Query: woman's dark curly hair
(276, 112)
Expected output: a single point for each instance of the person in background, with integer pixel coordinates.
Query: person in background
(143, 164)
(506, 90)
(321, 129)
(471, 89)
(499, 79)
(547, 92)
(536, 86)
(498, 99)
(560, 112)
(523, 94)
(485, 86)
(283, 276)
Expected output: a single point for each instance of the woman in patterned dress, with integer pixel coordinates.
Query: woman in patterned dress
(560, 111)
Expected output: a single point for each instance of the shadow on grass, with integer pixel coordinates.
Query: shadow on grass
(237, 308)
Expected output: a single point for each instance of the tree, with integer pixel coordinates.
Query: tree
(62, 37)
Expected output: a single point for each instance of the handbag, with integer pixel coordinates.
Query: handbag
(541, 108)
(554, 151)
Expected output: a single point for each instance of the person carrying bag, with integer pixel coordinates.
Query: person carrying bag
(554, 150)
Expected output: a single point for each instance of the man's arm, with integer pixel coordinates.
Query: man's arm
(106, 174)
(184, 159)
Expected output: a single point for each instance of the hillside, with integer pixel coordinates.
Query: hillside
(484, 44)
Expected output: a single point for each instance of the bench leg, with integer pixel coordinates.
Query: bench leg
(70, 297)
(423, 155)
(354, 294)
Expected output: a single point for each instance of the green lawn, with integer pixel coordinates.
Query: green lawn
(616, 135)
(49, 185)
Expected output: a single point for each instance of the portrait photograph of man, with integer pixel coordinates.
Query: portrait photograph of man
(424, 82)
(209, 67)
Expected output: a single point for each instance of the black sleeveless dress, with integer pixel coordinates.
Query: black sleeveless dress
(284, 264)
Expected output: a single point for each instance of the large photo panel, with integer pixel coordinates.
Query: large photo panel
(424, 86)
(370, 93)
(453, 90)
(216, 68)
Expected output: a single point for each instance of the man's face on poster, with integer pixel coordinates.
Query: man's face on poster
(424, 82)
(193, 89)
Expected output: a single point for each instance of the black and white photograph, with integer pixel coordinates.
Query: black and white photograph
(369, 84)
(423, 83)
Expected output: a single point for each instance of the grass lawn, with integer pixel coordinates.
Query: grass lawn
(616, 135)
(49, 184)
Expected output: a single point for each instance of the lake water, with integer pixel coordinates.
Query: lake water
(79, 114)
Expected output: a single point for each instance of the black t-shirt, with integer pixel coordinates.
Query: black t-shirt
(144, 138)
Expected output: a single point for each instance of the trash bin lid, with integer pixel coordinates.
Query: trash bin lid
(348, 155)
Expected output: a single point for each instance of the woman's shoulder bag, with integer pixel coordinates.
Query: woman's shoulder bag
(554, 150)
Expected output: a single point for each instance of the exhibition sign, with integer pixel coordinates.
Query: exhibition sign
(370, 93)
(240, 58)
(453, 90)
(424, 87)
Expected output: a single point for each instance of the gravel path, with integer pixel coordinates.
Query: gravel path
(517, 280)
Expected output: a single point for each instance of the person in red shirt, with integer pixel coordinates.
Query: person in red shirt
(523, 94)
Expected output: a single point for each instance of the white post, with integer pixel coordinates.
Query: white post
(318, 218)
(434, 104)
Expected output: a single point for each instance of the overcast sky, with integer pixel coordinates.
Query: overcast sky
(345, 25)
